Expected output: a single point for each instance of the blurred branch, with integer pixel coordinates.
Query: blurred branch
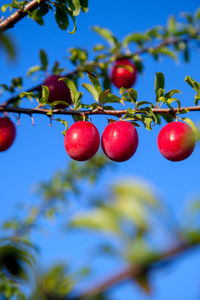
(11, 20)
(133, 272)
(164, 43)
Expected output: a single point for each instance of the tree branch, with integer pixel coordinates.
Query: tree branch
(11, 20)
(97, 111)
(133, 272)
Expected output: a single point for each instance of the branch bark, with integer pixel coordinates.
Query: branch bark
(133, 272)
(11, 20)
(98, 111)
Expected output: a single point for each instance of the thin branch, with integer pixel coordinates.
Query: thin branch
(98, 111)
(11, 20)
(167, 42)
(133, 272)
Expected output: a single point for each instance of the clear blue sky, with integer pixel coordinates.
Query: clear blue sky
(38, 151)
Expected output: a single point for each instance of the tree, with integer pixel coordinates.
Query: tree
(128, 213)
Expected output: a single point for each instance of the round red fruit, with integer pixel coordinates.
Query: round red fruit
(176, 141)
(82, 140)
(122, 76)
(57, 90)
(119, 141)
(7, 133)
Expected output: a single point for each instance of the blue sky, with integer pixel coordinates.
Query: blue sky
(39, 151)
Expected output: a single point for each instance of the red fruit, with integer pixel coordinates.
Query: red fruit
(57, 90)
(7, 133)
(82, 140)
(121, 76)
(176, 141)
(119, 141)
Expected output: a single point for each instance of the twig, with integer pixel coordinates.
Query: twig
(11, 20)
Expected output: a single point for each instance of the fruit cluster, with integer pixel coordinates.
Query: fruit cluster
(119, 142)
(176, 141)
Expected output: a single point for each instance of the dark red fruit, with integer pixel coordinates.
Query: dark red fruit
(7, 133)
(122, 76)
(82, 140)
(176, 141)
(119, 141)
(57, 90)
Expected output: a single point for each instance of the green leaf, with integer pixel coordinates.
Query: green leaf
(75, 6)
(138, 63)
(133, 94)
(196, 99)
(75, 95)
(154, 32)
(194, 84)
(135, 37)
(168, 117)
(131, 201)
(159, 83)
(44, 60)
(84, 5)
(78, 56)
(110, 98)
(106, 80)
(103, 95)
(166, 51)
(38, 14)
(197, 14)
(107, 35)
(99, 47)
(172, 24)
(194, 128)
(160, 95)
(95, 82)
(129, 95)
(143, 282)
(65, 124)
(171, 100)
(171, 93)
(189, 18)
(140, 103)
(61, 17)
(73, 20)
(71, 85)
(17, 82)
(122, 90)
(56, 68)
(101, 219)
(4, 7)
(29, 95)
(186, 54)
(183, 111)
(8, 45)
(45, 94)
(147, 122)
(33, 70)
(111, 120)
(91, 90)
